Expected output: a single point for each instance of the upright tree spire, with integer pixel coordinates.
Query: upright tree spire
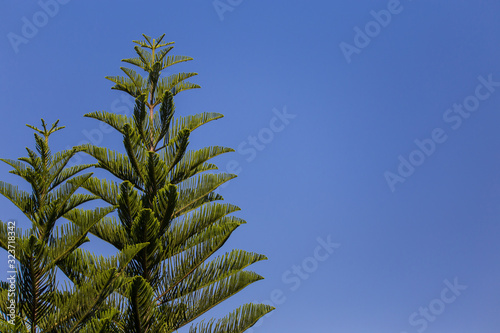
(46, 248)
(165, 197)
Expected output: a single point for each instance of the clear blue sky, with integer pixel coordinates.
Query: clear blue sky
(406, 242)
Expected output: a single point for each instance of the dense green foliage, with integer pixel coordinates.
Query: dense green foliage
(49, 246)
(166, 198)
(168, 227)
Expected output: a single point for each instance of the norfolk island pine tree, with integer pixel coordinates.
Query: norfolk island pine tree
(36, 303)
(165, 197)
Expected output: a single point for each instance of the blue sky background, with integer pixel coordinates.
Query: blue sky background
(323, 174)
